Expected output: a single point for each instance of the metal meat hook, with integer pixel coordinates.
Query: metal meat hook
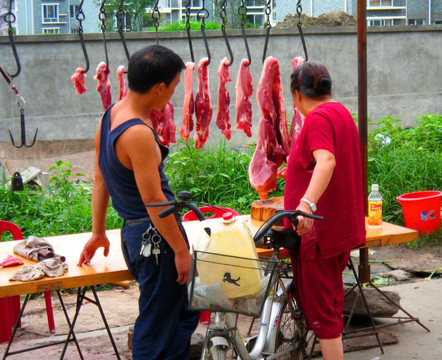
(102, 16)
(120, 16)
(23, 132)
(223, 16)
(242, 11)
(80, 18)
(10, 18)
(203, 13)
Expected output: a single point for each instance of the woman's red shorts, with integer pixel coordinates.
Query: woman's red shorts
(321, 292)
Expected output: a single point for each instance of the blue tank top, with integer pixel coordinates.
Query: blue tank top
(119, 180)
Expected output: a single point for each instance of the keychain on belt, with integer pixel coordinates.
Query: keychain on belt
(149, 240)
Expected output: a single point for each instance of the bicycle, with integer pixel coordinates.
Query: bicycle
(282, 331)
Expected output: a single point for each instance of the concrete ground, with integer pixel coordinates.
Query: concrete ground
(421, 299)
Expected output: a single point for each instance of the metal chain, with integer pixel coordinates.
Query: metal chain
(203, 13)
(268, 11)
(242, 11)
(223, 15)
(299, 25)
(102, 16)
(189, 38)
(299, 11)
(156, 18)
(79, 15)
(10, 19)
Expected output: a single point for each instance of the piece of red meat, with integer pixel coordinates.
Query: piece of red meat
(10, 261)
(203, 104)
(223, 112)
(243, 106)
(103, 84)
(298, 118)
(273, 141)
(79, 80)
(188, 104)
(297, 121)
(122, 86)
(164, 125)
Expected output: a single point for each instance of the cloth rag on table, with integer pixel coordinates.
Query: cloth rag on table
(36, 249)
(49, 267)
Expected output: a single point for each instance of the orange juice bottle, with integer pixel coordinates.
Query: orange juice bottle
(375, 208)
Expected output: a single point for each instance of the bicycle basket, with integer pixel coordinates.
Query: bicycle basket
(228, 283)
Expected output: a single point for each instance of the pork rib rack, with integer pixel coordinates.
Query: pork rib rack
(273, 141)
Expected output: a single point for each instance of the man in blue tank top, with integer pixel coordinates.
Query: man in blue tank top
(129, 169)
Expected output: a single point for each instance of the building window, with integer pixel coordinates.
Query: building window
(50, 13)
(73, 9)
(417, 21)
(49, 31)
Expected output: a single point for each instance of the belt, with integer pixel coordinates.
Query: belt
(136, 221)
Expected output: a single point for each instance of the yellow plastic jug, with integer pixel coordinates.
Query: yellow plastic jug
(239, 272)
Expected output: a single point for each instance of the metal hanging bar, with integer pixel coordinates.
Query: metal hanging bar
(103, 17)
(188, 31)
(299, 12)
(10, 19)
(121, 15)
(268, 11)
(242, 11)
(156, 19)
(203, 13)
(79, 15)
(223, 15)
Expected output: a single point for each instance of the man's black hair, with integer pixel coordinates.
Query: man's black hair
(153, 65)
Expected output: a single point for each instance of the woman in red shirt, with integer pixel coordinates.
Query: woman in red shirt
(324, 176)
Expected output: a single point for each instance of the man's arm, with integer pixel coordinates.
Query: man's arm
(139, 145)
(100, 202)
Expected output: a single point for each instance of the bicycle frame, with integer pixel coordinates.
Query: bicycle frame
(225, 328)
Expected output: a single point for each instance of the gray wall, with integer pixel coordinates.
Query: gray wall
(404, 74)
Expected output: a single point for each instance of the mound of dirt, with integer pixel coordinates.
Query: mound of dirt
(334, 18)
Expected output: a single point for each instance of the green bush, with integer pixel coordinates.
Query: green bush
(399, 160)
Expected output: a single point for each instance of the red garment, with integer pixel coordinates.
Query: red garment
(321, 292)
(329, 127)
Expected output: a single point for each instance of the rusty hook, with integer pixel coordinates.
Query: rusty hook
(103, 17)
(120, 16)
(223, 16)
(80, 18)
(203, 13)
(23, 132)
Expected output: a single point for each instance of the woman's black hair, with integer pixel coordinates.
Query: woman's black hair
(311, 79)
(152, 65)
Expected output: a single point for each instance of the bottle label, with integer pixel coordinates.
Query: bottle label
(374, 213)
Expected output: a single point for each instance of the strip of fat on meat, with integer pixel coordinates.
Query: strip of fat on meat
(273, 141)
(203, 104)
(297, 120)
(164, 124)
(103, 84)
(79, 80)
(122, 86)
(223, 112)
(243, 106)
(188, 103)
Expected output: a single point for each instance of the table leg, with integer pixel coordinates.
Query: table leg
(364, 266)
(81, 296)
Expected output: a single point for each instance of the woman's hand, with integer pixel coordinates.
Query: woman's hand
(304, 224)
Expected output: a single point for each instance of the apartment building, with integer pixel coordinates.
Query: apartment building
(58, 16)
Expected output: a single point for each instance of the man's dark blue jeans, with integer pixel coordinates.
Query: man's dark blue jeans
(164, 325)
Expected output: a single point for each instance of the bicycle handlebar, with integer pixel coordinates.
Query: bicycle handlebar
(185, 198)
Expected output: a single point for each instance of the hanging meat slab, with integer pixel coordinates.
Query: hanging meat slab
(188, 103)
(103, 84)
(79, 80)
(298, 118)
(297, 121)
(164, 124)
(122, 86)
(223, 112)
(203, 104)
(273, 141)
(243, 106)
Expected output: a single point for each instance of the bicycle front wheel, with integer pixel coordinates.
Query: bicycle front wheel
(218, 353)
(292, 334)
